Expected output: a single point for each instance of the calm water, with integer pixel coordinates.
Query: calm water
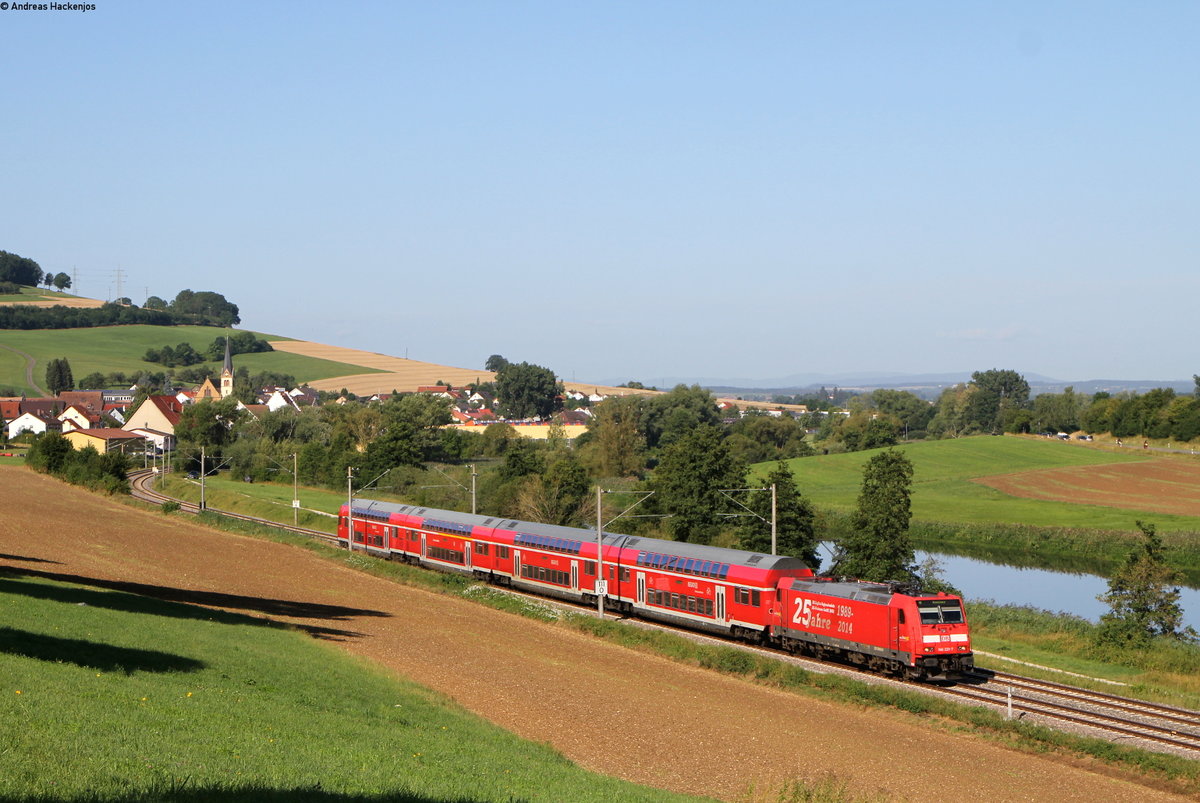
(1040, 588)
(1051, 591)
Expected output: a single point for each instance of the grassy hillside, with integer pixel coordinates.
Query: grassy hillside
(943, 491)
(30, 295)
(120, 348)
(109, 696)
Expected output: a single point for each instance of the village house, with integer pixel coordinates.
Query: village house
(31, 423)
(158, 413)
(74, 418)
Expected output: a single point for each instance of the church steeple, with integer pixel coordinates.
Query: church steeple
(227, 372)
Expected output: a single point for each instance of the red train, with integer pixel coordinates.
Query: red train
(764, 599)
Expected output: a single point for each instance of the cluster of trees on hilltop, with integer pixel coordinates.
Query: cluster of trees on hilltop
(19, 270)
(203, 309)
(185, 354)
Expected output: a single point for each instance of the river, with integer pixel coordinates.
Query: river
(1040, 588)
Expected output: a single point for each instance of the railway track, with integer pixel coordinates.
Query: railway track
(141, 484)
(1149, 725)
(1120, 717)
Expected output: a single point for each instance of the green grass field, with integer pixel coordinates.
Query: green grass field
(942, 490)
(31, 294)
(108, 696)
(107, 349)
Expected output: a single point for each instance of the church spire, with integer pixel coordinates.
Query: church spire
(227, 372)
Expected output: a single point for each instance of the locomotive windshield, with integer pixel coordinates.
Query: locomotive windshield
(939, 612)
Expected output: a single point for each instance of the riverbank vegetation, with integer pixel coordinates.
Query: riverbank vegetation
(1021, 639)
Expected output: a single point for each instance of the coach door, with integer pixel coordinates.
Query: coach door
(720, 603)
(424, 550)
(641, 588)
(516, 564)
(467, 549)
(895, 622)
(574, 575)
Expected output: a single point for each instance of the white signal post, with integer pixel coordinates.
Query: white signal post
(601, 582)
(349, 509)
(601, 586)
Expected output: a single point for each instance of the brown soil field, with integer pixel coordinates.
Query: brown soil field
(1158, 486)
(609, 709)
(406, 375)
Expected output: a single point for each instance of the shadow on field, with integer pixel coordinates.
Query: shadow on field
(28, 560)
(92, 654)
(271, 607)
(257, 795)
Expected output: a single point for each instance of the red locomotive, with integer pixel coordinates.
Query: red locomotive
(765, 599)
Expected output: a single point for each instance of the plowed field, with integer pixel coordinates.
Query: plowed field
(1157, 486)
(609, 709)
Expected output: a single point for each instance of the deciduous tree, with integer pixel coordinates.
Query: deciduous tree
(878, 547)
(1143, 598)
(527, 390)
(689, 480)
(998, 392)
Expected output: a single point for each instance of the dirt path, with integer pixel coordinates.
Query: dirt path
(30, 364)
(607, 708)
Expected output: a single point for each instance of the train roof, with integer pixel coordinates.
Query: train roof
(865, 590)
(371, 509)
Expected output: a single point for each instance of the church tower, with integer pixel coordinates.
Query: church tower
(227, 373)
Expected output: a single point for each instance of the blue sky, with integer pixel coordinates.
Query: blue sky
(630, 190)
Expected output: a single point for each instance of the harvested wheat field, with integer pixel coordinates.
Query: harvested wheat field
(607, 708)
(64, 301)
(1158, 486)
(405, 376)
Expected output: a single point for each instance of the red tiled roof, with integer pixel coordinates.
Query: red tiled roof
(169, 405)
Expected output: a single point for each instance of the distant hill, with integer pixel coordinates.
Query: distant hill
(928, 386)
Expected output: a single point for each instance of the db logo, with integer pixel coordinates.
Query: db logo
(3, 6)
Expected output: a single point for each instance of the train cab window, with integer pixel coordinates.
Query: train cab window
(900, 617)
(935, 612)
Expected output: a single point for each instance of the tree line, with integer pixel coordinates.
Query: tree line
(185, 354)
(197, 309)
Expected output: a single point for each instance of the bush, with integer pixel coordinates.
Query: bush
(53, 454)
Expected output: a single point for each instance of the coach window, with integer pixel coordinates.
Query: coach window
(481, 548)
(624, 574)
(589, 568)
